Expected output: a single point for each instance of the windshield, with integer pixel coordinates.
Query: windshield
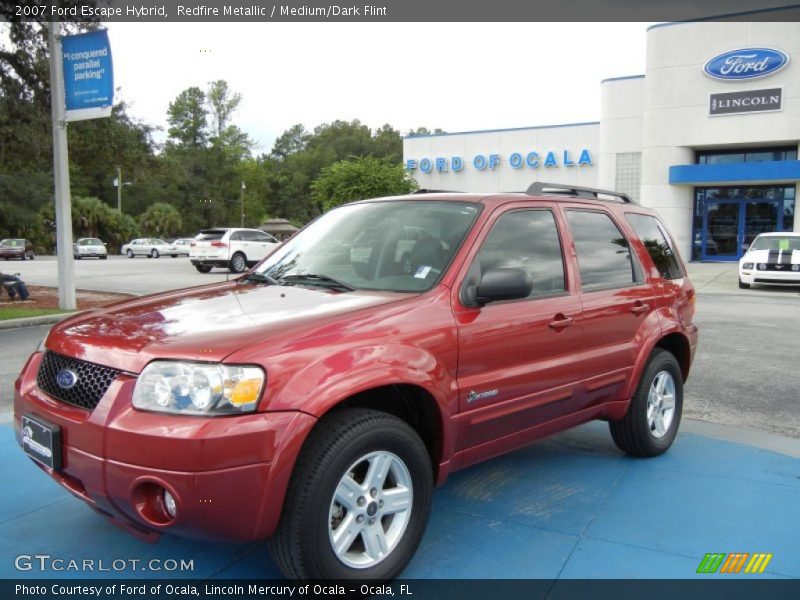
(12, 243)
(401, 246)
(776, 243)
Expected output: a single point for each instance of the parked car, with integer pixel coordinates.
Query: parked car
(149, 247)
(231, 248)
(89, 247)
(18, 248)
(182, 245)
(772, 259)
(332, 399)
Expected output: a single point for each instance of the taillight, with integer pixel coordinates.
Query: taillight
(193, 244)
(219, 244)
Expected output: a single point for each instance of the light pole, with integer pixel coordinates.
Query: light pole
(119, 183)
(241, 202)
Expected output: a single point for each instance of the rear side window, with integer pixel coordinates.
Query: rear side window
(657, 244)
(604, 255)
(526, 239)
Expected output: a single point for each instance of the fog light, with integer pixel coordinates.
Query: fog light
(762, 266)
(795, 267)
(169, 504)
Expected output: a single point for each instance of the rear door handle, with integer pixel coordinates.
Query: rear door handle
(640, 308)
(561, 322)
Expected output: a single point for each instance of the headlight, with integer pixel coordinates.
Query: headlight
(747, 265)
(188, 388)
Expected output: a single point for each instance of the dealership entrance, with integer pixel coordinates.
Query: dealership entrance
(727, 219)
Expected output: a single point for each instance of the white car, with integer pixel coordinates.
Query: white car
(182, 246)
(230, 247)
(772, 259)
(149, 247)
(89, 247)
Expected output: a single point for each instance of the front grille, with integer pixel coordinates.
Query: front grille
(782, 267)
(92, 380)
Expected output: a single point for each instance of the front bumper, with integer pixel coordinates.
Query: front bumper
(754, 276)
(228, 475)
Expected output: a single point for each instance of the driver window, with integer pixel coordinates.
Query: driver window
(525, 239)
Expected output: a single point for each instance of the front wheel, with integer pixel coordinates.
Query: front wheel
(129, 253)
(358, 502)
(651, 423)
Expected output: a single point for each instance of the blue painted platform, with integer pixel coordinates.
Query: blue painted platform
(569, 507)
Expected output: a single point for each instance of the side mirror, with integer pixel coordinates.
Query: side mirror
(503, 284)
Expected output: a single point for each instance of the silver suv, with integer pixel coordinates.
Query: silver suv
(230, 247)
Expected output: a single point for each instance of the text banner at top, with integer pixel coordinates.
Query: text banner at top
(400, 11)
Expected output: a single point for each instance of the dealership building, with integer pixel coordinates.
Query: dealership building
(708, 137)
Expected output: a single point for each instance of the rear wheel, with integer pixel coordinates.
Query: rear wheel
(31, 255)
(154, 253)
(651, 423)
(238, 263)
(743, 285)
(358, 502)
(203, 268)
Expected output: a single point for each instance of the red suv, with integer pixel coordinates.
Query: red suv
(318, 399)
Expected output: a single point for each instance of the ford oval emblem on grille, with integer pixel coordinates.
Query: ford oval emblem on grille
(66, 379)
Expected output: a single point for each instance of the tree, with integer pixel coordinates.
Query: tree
(161, 220)
(187, 118)
(360, 178)
(91, 217)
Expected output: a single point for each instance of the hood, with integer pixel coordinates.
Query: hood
(206, 323)
(775, 257)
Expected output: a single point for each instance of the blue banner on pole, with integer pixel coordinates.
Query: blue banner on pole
(88, 75)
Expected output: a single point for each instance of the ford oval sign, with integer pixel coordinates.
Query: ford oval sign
(746, 63)
(66, 379)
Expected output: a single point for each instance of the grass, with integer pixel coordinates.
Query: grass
(9, 312)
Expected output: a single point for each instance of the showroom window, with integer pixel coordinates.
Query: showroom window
(629, 174)
(604, 256)
(719, 157)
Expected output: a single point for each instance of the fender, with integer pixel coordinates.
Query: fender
(649, 342)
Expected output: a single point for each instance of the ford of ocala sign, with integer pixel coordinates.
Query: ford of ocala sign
(490, 162)
(746, 63)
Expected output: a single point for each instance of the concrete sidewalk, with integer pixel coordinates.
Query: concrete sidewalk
(569, 507)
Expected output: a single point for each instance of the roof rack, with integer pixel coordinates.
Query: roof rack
(427, 191)
(538, 188)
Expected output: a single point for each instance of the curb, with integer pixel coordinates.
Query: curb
(34, 321)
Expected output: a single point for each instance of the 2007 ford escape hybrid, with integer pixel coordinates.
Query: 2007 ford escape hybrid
(319, 398)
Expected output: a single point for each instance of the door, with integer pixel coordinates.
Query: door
(760, 216)
(722, 232)
(263, 242)
(616, 301)
(518, 360)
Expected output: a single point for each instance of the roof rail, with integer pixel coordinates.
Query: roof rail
(427, 191)
(538, 188)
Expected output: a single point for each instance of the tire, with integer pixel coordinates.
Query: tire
(343, 446)
(129, 252)
(174, 256)
(203, 268)
(154, 253)
(743, 285)
(238, 263)
(104, 257)
(77, 257)
(643, 436)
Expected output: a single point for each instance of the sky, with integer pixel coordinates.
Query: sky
(454, 76)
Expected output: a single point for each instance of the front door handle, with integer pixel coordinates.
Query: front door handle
(640, 308)
(561, 322)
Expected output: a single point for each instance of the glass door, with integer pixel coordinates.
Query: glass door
(722, 230)
(760, 216)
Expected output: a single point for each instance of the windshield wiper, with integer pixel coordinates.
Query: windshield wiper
(261, 278)
(319, 280)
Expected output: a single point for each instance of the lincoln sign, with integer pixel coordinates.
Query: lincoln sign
(750, 101)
